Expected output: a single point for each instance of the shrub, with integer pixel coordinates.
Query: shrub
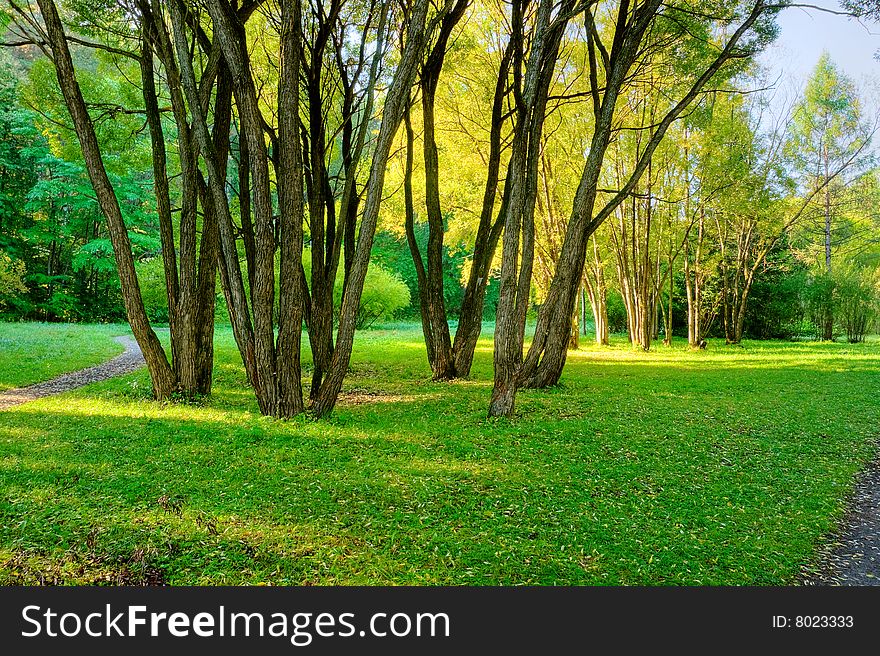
(616, 312)
(384, 294)
(856, 301)
(848, 300)
(819, 301)
(11, 279)
(775, 309)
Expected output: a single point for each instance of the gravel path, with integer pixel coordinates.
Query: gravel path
(853, 556)
(128, 361)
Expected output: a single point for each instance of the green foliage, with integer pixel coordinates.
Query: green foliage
(776, 305)
(847, 298)
(392, 253)
(11, 279)
(827, 122)
(616, 312)
(384, 295)
(819, 300)
(151, 276)
(857, 301)
(49, 218)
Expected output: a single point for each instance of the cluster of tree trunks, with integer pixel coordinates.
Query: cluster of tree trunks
(333, 70)
(208, 75)
(610, 68)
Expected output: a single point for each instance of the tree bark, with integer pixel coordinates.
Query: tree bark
(518, 240)
(395, 105)
(162, 376)
(470, 318)
(431, 293)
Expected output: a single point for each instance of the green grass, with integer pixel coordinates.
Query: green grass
(30, 353)
(725, 466)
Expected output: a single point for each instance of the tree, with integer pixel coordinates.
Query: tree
(533, 76)
(396, 102)
(451, 358)
(827, 130)
(635, 28)
(53, 41)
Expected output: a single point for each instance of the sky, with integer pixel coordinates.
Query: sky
(805, 33)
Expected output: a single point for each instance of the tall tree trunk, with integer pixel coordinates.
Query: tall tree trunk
(432, 300)
(162, 376)
(230, 270)
(470, 318)
(519, 223)
(290, 206)
(332, 214)
(409, 227)
(594, 282)
(667, 327)
(395, 105)
(828, 324)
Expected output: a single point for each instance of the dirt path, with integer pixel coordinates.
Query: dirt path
(124, 363)
(853, 556)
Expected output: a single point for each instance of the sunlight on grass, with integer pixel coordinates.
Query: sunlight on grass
(31, 353)
(724, 466)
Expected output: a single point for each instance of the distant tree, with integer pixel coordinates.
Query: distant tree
(828, 131)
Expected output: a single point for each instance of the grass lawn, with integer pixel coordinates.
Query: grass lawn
(30, 352)
(724, 466)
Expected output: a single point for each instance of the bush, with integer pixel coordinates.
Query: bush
(845, 301)
(11, 279)
(856, 301)
(819, 302)
(616, 312)
(384, 294)
(392, 253)
(775, 309)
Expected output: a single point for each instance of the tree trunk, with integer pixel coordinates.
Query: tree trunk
(290, 206)
(518, 241)
(470, 319)
(409, 227)
(574, 336)
(594, 282)
(395, 105)
(162, 376)
(442, 360)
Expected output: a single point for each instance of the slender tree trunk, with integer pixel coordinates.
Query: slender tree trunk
(230, 270)
(442, 360)
(409, 227)
(828, 324)
(594, 282)
(470, 319)
(395, 105)
(162, 376)
(574, 337)
(518, 241)
(667, 329)
(290, 201)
